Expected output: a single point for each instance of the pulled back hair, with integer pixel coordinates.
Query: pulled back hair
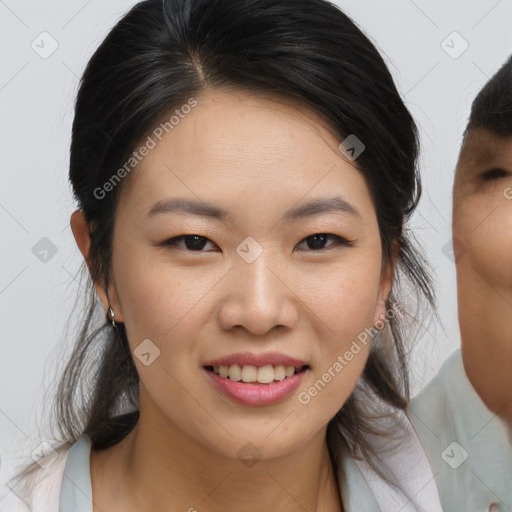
(157, 57)
(492, 107)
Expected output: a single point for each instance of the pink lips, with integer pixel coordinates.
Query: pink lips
(256, 394)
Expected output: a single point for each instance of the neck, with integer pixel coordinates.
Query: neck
(488, 367)
(166, 469)
(486, 342)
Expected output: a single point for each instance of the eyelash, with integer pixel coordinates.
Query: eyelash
(340, 241)
(494, 174)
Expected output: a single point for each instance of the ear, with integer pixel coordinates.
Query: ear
(81, 232)
(386, 284)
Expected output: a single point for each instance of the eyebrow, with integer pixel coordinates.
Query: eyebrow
(313, 207)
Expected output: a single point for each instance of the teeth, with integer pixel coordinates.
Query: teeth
(289, 371)
(249, 373)
(234, 372)
(265, 374)
(261, 374)
(279, 372)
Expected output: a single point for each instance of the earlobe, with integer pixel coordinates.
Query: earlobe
(380, 313)
(380, 308)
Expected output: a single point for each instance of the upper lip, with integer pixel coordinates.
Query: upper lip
(273, 358)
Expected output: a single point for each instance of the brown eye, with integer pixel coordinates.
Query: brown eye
(316, 242)
(193, 243)
(494, 174)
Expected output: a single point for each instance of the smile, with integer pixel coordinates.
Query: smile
(256, 374)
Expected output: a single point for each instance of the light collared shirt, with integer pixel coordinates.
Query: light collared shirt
(469, 447)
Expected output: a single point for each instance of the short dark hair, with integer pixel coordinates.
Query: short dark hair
(492, 107)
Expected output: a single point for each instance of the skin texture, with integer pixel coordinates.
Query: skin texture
(482, 233)
(256, 158)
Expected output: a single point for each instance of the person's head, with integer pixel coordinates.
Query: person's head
(223, 120)
(482, 235)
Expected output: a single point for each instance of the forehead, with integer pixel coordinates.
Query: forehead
(238, 141)
(247, 124)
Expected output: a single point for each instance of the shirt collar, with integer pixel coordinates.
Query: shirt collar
(76, 491)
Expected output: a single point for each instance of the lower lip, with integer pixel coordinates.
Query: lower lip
(257, 394)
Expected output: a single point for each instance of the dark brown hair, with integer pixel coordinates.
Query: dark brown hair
(492, 107)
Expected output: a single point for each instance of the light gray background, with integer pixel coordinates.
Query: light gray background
(36, 98)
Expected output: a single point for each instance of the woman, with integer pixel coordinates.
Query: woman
(217, 148)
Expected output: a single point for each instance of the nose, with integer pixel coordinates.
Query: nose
(258, 296)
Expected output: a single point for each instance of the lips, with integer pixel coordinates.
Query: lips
(256, 386)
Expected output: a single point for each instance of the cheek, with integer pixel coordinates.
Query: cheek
(163, 302)
(343, 299)
(484, 231)
(347, 302)
(157, 299)
(344, 307)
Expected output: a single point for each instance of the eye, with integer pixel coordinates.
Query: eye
(494, 174)
(196, 243)
(317, 241)
(193, 243)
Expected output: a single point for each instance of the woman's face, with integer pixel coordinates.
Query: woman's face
(256, 287)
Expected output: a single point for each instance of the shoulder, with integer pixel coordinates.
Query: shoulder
(408, 484)
(37, 488)
(434, 407)
(451, 372)
(469, 447)
(441, 412)
(449, 404)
